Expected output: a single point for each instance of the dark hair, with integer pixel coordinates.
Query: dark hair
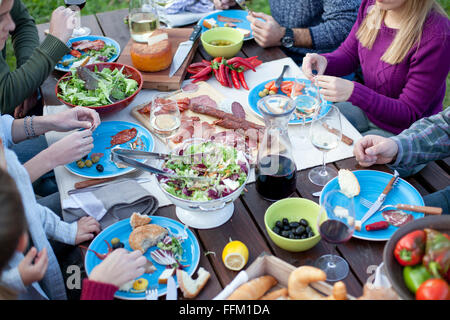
(12, 218)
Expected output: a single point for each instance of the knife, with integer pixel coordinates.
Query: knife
(171, 289)
(280, 78)
(377, 204)
(243, 5)
(183, 50)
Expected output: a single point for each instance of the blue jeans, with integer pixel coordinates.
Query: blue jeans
(26, 150)
(358, 118)
(440, 199)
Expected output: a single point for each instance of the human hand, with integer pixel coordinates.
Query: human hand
(33, 266)
(87, 228)
(335, 89)
(373, 149)
(224, 4)
(62, 23)
(267, 33)
(71, 148)
(74, 118)
(22, 109)
(119, 267)
(314, 61)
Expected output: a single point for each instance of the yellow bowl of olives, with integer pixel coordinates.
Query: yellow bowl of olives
(222, 42)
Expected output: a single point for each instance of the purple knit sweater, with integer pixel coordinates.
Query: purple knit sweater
(395, 96)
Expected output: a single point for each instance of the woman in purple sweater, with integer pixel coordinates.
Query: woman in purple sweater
(403, 48)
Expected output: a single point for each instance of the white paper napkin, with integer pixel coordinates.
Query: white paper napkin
(184, 18)
(86, 201)
(240, 279)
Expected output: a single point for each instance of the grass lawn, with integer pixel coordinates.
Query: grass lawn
(41, 11)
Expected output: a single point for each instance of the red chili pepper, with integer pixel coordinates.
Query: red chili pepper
(206, 62)
(380, 225)
(242, 62)
(217, 60)
(227, 77)
(204, 72)
(235, 79)
(194, 70)
(204, 78)
(242, 79)
(199, 64)
(222, 75)
(75, 53)
(217, 75)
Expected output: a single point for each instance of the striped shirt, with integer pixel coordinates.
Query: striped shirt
(426, 140)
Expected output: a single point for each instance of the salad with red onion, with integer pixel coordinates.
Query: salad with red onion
(225, 167)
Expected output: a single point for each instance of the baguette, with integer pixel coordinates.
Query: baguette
(191, 288)
(253, 289)
(280, 294)
(348, 183)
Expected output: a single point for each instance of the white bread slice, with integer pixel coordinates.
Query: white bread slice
(210, 23)
(165, 275)
(348, 183)
(191, 288)
(246, 32)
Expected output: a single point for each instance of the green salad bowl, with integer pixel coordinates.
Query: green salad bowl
(222, 33)
(293, 209)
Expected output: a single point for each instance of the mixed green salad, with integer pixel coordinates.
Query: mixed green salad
(96, 88)
(96, 56)
(226, 169)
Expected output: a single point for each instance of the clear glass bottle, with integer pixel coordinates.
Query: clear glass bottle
(143, 19)
(276, 172)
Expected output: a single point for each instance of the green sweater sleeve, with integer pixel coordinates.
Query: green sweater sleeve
(17, 85)
(25, 37)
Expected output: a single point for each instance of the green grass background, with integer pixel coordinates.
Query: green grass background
(41, 10)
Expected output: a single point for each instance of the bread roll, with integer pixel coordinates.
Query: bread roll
(147, 236)
(137, 220)
(253, 289)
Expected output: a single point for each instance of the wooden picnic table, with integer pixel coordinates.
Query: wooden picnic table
(247, 222)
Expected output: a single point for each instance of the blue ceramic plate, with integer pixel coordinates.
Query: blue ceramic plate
(122, 230)
(372, 184)
(108, 41)
(102, 141)
(253, 98)
(237, 14)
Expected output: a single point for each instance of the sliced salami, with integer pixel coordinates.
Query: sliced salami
(228, 19)
(238, 110)
(397, 218)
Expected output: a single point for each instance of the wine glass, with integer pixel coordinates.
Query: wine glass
(325, 134)
(305, 104)
(165, 116)
(162, 6)
(143, 19)
(336, 224)
(76, 6)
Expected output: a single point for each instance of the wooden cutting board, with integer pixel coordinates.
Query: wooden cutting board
(160, 80)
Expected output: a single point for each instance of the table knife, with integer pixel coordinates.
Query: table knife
(377, 204)
(243, 5)
(183, 50)
(171, 289)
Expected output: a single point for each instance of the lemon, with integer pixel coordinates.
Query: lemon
(235, 255)
(140, 284)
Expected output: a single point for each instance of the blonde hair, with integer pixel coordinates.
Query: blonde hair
(409, 33)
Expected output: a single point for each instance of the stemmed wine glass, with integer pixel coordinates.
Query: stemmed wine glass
(76, 6)
(325, 134)
(305, 104)
(336, 224)
(162, 6)
(165, 118)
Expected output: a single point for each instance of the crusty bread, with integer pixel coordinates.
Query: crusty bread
(191, 288)
(253, 289)
(348, 183)
(245, 32)
(147, 236)
(280, 294)
(165, 275)
(137, 220)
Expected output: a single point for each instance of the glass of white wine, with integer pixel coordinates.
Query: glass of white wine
(165, 118)
(162, 6)
(325, 134)
(143, 19)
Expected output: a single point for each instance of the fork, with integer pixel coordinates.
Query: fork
(151, 294)
(429, 210)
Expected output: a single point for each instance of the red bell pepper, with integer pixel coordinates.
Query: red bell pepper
(410, 249)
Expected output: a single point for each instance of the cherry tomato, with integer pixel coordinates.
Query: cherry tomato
(433, 289)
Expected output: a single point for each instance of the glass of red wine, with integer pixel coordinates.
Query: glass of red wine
(76, 6)
(336, 224)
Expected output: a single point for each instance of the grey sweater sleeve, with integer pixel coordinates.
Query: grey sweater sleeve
(338, 19)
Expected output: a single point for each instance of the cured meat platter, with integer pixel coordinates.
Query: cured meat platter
(207, 114)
